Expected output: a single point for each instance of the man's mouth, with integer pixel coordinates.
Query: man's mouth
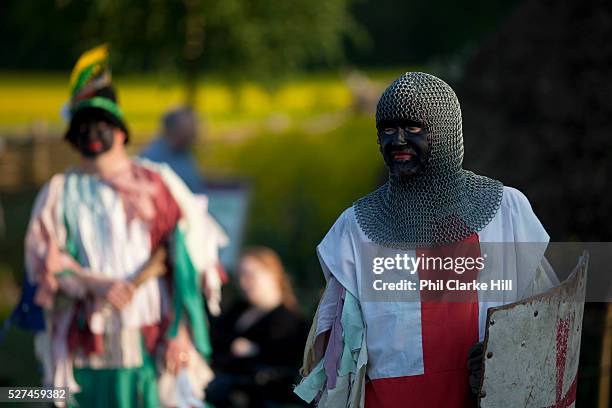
(403, 155)
(95, 145)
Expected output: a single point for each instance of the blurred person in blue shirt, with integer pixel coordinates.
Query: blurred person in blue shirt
(174, 146)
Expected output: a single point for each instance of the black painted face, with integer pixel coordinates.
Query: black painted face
(95, 138)
(404, 146)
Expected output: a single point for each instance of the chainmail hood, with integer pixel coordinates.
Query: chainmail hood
(443, 203)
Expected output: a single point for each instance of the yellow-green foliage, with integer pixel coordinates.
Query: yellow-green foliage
(28, 99)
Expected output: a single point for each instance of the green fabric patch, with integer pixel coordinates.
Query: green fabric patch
(187, 297)
(119, 387)
(98, 102)
(65, 272)
(310, 386)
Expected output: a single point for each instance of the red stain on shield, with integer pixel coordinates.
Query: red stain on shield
(561, 400)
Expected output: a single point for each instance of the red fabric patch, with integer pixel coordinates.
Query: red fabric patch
(222, 274)
(167, 216)
(167, 211)
(153, 335)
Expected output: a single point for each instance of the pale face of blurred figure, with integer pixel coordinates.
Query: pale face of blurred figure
(261, 287)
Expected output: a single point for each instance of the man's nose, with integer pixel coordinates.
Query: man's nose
(92, 135)
(400, 137)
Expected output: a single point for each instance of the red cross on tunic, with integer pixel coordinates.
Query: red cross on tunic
(567, 399)
(449, 327)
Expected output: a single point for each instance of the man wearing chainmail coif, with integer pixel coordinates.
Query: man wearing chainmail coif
(428, 352)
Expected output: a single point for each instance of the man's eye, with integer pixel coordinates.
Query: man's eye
(389, 131)
(413, 129)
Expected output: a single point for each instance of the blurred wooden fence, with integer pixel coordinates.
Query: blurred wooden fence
(27, 162)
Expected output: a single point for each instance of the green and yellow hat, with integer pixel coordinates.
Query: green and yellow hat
(92, 95)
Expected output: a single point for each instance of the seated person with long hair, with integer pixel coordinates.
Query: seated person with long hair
(257, 342)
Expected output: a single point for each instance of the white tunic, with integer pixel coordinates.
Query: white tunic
(394, 328)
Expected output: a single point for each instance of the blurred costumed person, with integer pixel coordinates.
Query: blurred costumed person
(116, 259)
(427, 352)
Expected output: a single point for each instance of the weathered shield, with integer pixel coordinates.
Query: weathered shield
(531, 348)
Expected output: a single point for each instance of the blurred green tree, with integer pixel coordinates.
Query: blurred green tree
(259, 39)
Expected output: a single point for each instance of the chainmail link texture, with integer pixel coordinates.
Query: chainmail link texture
(443, 203)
